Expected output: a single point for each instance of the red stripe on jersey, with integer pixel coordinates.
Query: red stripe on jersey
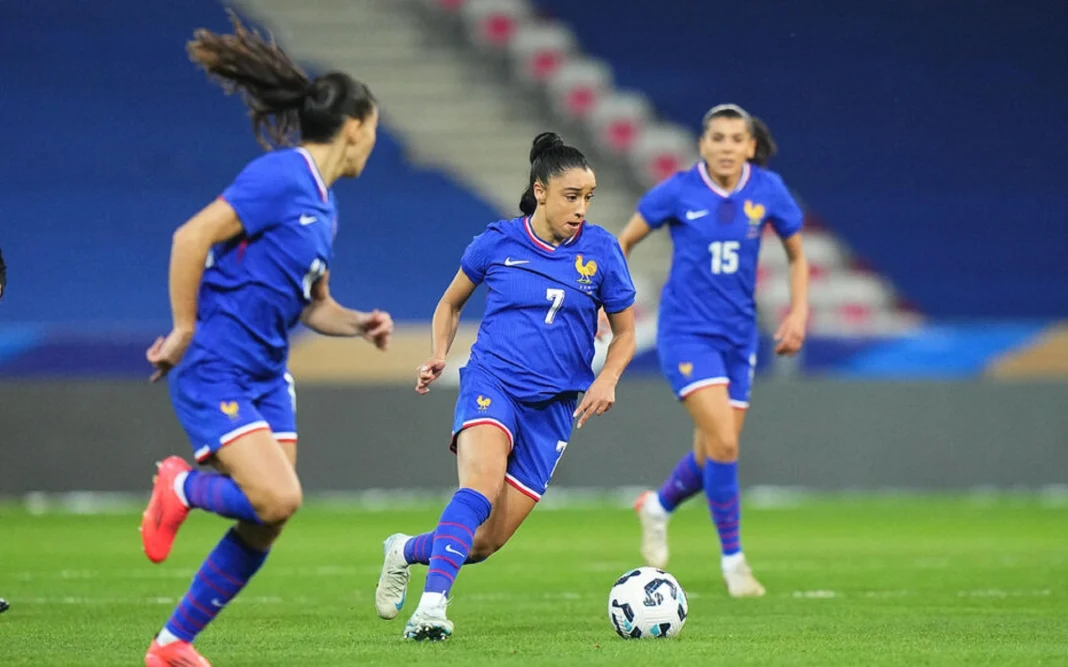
(538, 242)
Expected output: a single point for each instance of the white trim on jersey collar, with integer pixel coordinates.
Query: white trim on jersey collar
(542, 244)
(315, 172)
(577, 234)
(534, 237)
(742, 182)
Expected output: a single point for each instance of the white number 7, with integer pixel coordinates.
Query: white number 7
(560, 447)
(557, 297)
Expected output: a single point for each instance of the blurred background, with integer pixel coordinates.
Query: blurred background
(926, 141)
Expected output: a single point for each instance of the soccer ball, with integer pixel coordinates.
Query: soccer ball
(647, 603)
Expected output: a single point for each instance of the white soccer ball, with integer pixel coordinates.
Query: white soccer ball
(647, 603)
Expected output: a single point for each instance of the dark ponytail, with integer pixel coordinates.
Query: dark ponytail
(765, 143)
(549, 157)
(283, 103)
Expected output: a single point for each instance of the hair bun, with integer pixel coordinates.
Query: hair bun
(544, 142)
(322, 93)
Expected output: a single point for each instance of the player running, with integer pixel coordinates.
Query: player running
(707, 338)
(548, 273)
(243, 272)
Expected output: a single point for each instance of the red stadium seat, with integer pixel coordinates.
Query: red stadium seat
(661, 151)
(817, 271)
(618, 119)
(497, 29)
(539, 49)
(855, 313)
(494, 23)
(664, 166)
(621, 133)
(581, 100)
(577, 85)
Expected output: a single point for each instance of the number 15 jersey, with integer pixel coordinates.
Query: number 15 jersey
(716, 243)
(537, 336)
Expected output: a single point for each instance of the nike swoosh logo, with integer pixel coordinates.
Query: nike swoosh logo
(215, 602)
(694, 215)
(448, 547)
(308, 219)
(515, 262)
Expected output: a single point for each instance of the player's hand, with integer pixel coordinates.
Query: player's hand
(165, 353)
(428, 373)
(791, 334)
(377, 328)
(604, 327)
(597, 400)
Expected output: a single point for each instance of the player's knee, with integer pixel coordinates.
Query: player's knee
(278, 505)
(721, 447)
(483, 547)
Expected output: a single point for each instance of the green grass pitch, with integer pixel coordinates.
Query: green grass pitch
(851, 581)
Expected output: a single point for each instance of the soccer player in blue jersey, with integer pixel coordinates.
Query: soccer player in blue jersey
(547, 274)
(244, 271)
(707, 327)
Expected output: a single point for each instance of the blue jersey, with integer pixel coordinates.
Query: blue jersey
(537, 335)
(716, 238)
(255, 286)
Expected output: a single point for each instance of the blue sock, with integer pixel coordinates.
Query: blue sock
(417, 549)
(721, 488)
(219, 494)
(453, 537)
(683, 482)
(222, 576)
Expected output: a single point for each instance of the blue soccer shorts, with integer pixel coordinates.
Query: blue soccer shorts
(537, 432)
(694, 362)
(217, 405)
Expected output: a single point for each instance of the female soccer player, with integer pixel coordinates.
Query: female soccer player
(707, 338)
(243, 272)
(548, 274)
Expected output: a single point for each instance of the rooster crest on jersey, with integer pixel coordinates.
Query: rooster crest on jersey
(587, 270)
(755, 212)
(483, 403)
(229, 408)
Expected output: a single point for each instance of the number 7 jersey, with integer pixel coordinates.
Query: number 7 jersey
(256, 286)
(537, 336)
(716, 245)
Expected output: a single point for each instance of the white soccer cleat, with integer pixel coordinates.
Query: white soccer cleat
(654, 521)
(740, 581)
(429, 621)
(393, 582)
